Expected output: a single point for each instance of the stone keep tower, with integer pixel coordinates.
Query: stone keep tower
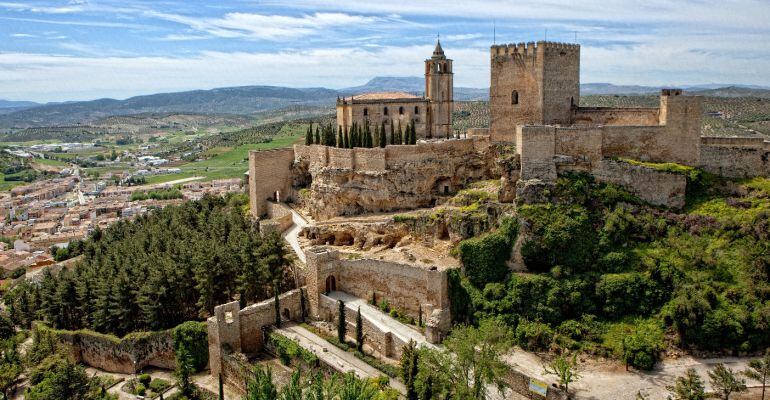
(439, 90)
(532, 84)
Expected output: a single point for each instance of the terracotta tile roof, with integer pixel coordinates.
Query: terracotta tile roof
(385, 96)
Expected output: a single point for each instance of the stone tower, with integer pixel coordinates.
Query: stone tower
(532, 84)
(439, 90)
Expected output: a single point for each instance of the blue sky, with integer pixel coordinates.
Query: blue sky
(86, 49)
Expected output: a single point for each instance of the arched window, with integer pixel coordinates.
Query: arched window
(366, 112)
(416, 110)
(385, 111)
(515, 97)
(401, 111)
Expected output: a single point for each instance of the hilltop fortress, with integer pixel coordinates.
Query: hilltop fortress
(352, 250)
(534, 107)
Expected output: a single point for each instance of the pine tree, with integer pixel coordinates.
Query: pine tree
(341, 326)
(339, 137)
(309, 135)
(359, 331)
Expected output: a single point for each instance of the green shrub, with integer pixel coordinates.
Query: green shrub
(194, 337)
(159, 385)
(534, 336)
(628, 294)
(145, 379)
(484, 257)
(288, 350)
(638, 344)
(558, 235)
(140, 389)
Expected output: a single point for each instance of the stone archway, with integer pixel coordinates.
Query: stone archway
(331, 283)
(286, 314)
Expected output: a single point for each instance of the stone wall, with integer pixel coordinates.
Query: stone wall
(520, 383)
(234, 330)
(279, 218)
(109, 353)
(407, 288)
(270, 172)
(616, 116)
(735, 157)
(535, 146)
(653, 186)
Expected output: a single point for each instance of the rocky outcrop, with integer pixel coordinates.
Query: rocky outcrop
(416, 183)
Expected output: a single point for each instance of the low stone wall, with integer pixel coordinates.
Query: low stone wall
(279, 218)
(524, 385)
(653, 186)
(234, 330)
(112, 354)
(735, 157)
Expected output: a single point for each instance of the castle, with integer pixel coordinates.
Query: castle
(537, 131)
(431, 114)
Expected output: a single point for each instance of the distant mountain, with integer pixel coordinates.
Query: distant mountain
(17, 104)
(412, 84)
(232, 100)
(246, 100)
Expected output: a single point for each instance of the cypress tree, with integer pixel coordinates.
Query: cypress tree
(359, 331)
(346, 139)
(341, 326)
(413, 136)
(409, 363)
(368, 137)
(399, 134)
(383, 137)
(332, 136)
(277, 307)
(309, 135)
(392, 133)
(317, 135)
(339, 137)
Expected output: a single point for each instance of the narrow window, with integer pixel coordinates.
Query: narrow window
(366, 112)
(401, 111)
(416, 110)
(515, 97)
(385, 111)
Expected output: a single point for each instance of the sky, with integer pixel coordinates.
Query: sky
(88, 49)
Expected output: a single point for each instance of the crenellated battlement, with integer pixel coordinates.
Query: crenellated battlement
(531, 48)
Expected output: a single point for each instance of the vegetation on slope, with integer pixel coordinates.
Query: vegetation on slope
(159, 270)
(613, 276)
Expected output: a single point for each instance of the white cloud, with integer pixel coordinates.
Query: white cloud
(22, 35)
(72, 7)
(268, 27)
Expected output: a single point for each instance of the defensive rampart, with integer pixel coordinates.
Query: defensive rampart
(735, 157)
(270, 178)
(109, 353)
(407, 288)
(234, 330)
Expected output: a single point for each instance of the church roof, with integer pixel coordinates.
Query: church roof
(385, 96)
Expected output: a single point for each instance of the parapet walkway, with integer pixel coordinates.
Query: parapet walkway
(332, 355)
(383, 321)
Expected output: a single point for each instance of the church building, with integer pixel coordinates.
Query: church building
(431, 114)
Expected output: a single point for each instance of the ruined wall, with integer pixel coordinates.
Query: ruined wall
(561, 81)
(234, 330)
(279, 218)
(520, 383)
(616, 116)
(400, 177)
(269, 172)
(735, 157)
(109, 353)
(653, 186)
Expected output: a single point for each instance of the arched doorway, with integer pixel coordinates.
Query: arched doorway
(286, 314)
(331, 283)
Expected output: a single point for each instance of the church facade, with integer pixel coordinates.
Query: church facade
(431, 114)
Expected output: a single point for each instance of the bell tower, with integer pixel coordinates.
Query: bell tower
(439, 91)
